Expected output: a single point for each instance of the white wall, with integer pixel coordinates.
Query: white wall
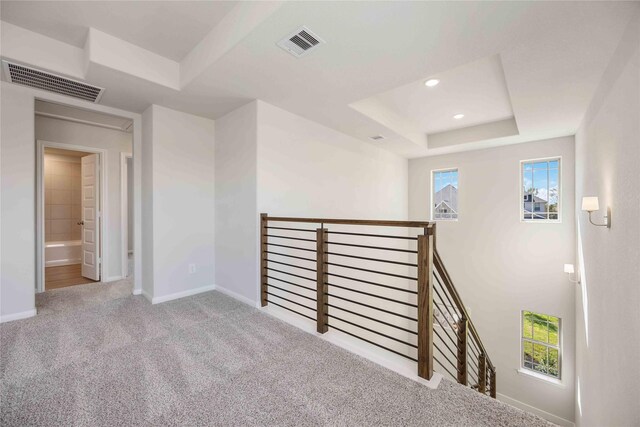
(115, 142)
(236, 225)
(181, 147)
(270, 160)
(306, 169)
(17, 203)
(130, 218)
(17, 174)
(501, 265)
(608, 304)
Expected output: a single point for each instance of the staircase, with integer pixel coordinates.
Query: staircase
(382, 282)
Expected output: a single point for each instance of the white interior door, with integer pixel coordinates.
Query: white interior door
(90, 217)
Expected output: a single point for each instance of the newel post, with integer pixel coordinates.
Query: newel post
(462, 351)
(492, 382)
(425, 302)
(482, 373)
(321, 280)
(263, 259)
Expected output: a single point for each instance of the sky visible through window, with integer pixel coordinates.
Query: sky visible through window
(541, 189)
(445, 194)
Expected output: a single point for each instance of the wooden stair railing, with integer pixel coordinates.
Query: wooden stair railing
(325, 276)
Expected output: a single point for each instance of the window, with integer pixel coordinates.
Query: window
(444, 194)
(541, 343)
(540, 183)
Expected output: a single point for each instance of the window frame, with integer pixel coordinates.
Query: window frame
(432, 194)
(531, 371)
(560, 191)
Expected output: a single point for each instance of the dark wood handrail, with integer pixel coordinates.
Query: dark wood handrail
(372, 222)
(430, 270)
(444, 274)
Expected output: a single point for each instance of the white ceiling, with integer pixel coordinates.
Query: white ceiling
(477, 90)
(553, 55)
(168, 28)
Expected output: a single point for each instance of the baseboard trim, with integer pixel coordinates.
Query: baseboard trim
(539, 412)
(112, 279)
(18, 316)
(336, 338)
(137, 292)
(236, 296)
(178, 295)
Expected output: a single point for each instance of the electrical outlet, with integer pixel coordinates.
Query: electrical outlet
(192, 268)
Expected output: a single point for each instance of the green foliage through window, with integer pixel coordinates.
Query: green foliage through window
(541, 343)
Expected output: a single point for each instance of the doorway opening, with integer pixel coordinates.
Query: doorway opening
(80, 234)
(71, 217)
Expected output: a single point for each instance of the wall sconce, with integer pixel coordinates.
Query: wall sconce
(590, 204)
(568, 268)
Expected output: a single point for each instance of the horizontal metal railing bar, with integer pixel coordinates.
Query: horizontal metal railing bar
(372, 222)
(408, 264)
(475, 364)
(371, 318)
(474, 346)
(447, 334)
(291, 229)
(291, 247)
(439, 266)
(290, 309)
(445, 357)
(372, 307)
(292, 302)
(459, 314)
(454, 353)
(372, 295)
(366, 270)
(291, 292)
(373, 235)
(291, 283)
(371, 342)
(291, 238)
(313, 270)
(290, 274)
(290, 256)
(372, 331)
(353, 245)
(443, 367)
(373, 283)
(440, 310)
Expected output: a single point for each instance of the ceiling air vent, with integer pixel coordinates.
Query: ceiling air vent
(42, 80)
(300, 42)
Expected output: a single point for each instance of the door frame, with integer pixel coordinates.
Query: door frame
(40, 246)
(124, 212)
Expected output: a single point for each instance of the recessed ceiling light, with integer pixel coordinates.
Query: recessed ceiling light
(458, 116)
(431, 82)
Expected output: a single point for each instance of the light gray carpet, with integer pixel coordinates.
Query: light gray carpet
(207, 360)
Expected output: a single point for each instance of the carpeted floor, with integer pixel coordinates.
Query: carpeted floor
(115, 359)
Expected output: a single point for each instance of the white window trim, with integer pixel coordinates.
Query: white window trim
(431, 194)
(530, 372)
(560, 192)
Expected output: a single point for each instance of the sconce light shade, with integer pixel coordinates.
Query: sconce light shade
(568, 268)
(590, 204)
